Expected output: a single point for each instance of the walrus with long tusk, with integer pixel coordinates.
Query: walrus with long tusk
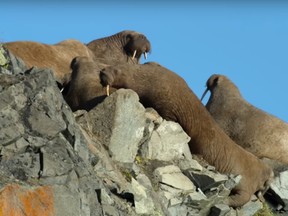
(85, 90)
(125, 46)
(171, 97)
(258, 132)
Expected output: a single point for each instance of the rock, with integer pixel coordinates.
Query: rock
(9, 64)
(279, 188)
(251, 207)
(168, 142)
(178, 210)
(21, 200)
(206, 180)
(66, 201)
(173, 177)
(122, 121)
(3, 60)
(219, 210)
(38, 134)
(143, 202)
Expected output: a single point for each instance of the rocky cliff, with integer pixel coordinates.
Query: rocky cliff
(117, 159)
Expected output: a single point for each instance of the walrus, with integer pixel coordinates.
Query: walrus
(85, 90)
(171, 97)
(58, 57)
(125, 46)
(115, 49)
(260, 133)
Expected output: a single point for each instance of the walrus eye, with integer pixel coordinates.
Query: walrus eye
(128, 37)
(215, 81)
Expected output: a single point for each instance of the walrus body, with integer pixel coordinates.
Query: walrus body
(170, 96)
(112, 50)
(58, 57)
(255, 130)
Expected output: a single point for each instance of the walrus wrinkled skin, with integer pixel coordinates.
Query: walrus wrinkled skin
(120, 48)
(171, 97)
(255, 130)
(85, 90)
(115, 49)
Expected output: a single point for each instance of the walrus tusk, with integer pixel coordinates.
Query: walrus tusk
(205, 92)
(145, 55)
(107, 90)
(134, 54)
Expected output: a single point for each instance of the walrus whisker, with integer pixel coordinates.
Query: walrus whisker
(61, 90)
(145, 55)
(107, 90)
(205, 92)
(134, 54)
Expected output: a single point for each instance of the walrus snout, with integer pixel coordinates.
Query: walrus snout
(106, 77)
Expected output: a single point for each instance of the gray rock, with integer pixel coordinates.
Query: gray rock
(122, 121)
(188, 163)
(206, 180)
(251, 207)
(106, 198)
(168, 142)
(22, 166)
(280, 187)
(56, 160)
(11, 129)
(66, 201)
(219, 210)
(110, 210)
(38, 134)
(9, 64)
(178, 210)
(173, 186)
(173, 177)
(3, 60)
(144, 204)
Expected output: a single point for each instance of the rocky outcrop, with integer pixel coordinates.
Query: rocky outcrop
(117, 159)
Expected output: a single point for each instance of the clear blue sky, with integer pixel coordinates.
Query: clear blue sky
(248, 42)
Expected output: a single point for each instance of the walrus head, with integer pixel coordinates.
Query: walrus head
(137, 44)
(116, 48)
(210, 84)
(216, 81)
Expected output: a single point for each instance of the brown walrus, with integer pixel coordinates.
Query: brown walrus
(58, 57)
(125, 46)
(115, 49)
(171, 97)
(255, 130)
(85, 90)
